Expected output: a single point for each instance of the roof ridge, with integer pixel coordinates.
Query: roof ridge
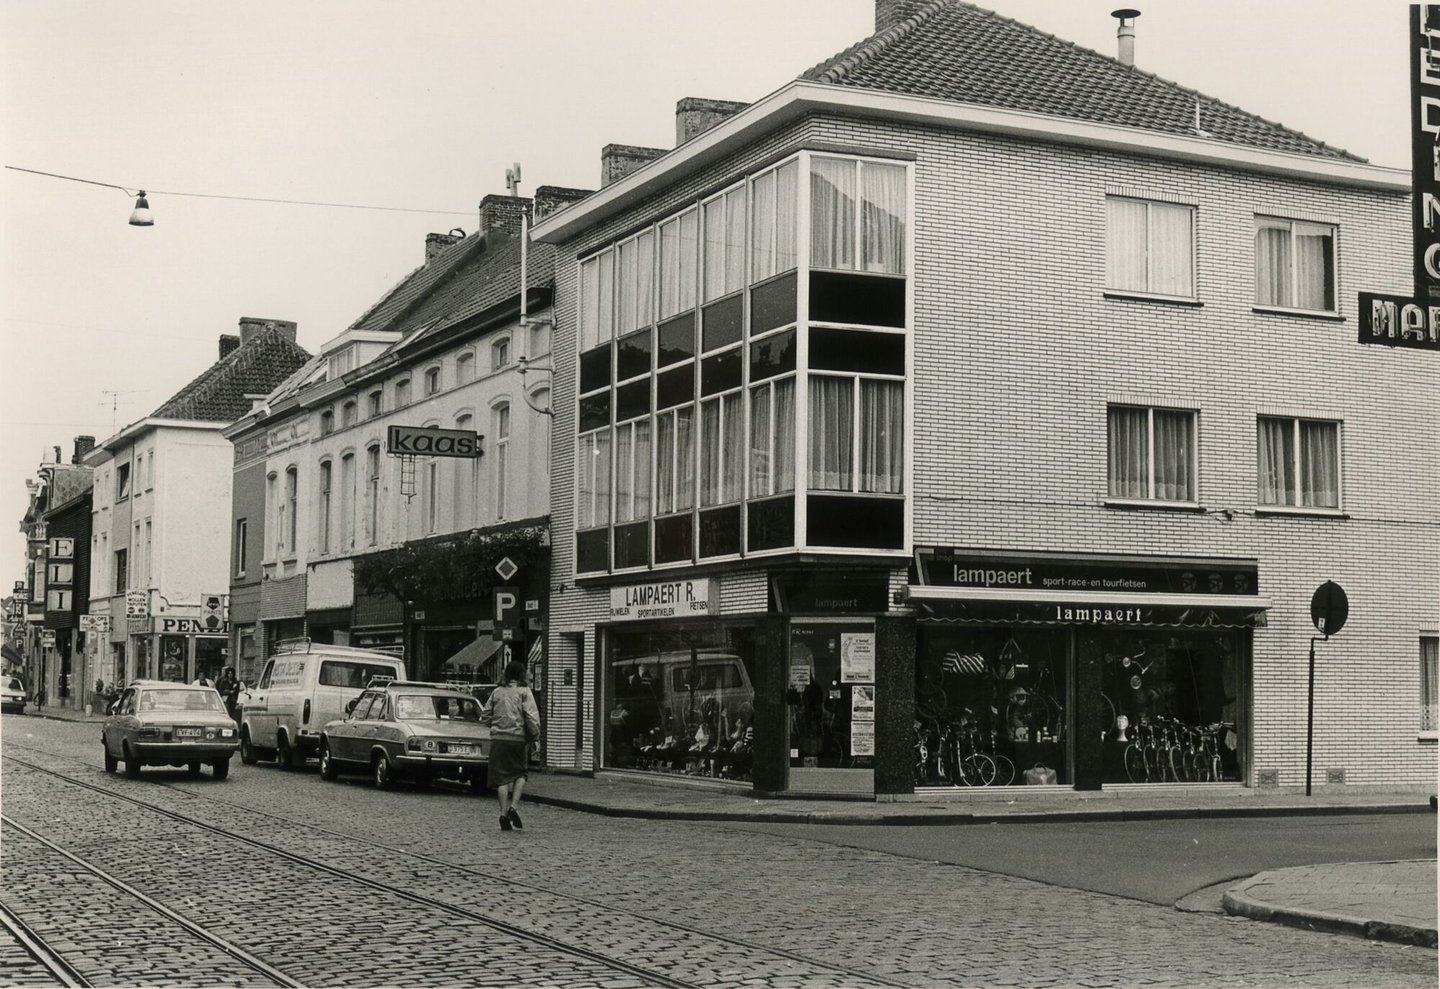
(1216, 101)
(835, 68)
(449, 260)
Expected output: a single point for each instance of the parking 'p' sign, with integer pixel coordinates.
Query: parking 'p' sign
(507, 607)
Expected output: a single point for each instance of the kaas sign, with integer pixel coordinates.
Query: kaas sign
(421, 441)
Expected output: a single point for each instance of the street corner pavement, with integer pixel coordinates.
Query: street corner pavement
(1385, 901)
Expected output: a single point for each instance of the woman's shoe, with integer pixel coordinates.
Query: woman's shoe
(505, 822)
(515, 820)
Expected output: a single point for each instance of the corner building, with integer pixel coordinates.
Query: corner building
(924, 426)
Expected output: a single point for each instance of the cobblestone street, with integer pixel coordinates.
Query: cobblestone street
(643, 902)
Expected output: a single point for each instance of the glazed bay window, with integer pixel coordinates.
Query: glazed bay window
(773, 212)
(857, 215)
(1149, 247)
(632, 493)
(1151, 454)
(592, 503)
(1294, 264)
(679, 242)
(674, 484)
(838, 435)
(1299, 462)
(635, 283)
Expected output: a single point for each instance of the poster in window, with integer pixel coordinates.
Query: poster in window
(862, 703)
(862, 738)
(857, 657)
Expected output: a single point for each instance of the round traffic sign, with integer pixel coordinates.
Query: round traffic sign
(1329, 607)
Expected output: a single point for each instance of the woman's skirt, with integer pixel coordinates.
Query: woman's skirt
(509, 761)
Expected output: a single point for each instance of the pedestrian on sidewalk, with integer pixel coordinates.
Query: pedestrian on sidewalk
(514, 722)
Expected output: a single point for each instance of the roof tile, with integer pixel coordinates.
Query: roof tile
(219, 393)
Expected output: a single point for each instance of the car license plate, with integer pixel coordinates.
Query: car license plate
(187, 732)
(461, 749)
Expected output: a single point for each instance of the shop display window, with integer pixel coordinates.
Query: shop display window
(681, 701)
(831, 695)
(1171, 705)
(990, 707)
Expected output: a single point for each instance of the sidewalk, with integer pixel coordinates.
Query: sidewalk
(1390, 901)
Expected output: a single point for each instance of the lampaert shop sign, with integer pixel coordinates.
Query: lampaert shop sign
(666, 599)
(968, 568)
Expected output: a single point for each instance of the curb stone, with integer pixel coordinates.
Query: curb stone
(1237, 902)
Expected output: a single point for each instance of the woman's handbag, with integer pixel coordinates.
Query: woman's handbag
(1041, 775)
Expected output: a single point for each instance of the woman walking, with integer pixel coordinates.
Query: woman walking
(514, 722)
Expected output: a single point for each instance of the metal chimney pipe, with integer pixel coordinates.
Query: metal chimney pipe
(1126, 34)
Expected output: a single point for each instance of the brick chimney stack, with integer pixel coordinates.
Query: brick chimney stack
(83, 445)
(553, 198)
(694, 116)
(437, 244)
(888, 13)
(619, 160)
(250, 326)
(500, 215)
(228, 344)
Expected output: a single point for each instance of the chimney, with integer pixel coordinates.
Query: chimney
(1126, 34)
(553, 198)
(888, 13)
(83, 445)
(619, 160)
(228, 344)
(694, 116)
(436, 244)
(251, 326)
(501, 214)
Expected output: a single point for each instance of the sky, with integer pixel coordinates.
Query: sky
(420, 107)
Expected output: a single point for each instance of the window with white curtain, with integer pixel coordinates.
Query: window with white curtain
(1294, 264)
(632, 471)
(679, 243)
(675, 460)
(772, 438)
(724, 265)
(773, 220)
(1429, 691)
(853, 417)
(1151, 453)
(722, 445)
(500, 419)
(372, 495)
(635, 283)
(589, 304)
(1149, 247)
(592, 467)
(323, 515)
(857, 215)
(347, 502)
(1299, 462)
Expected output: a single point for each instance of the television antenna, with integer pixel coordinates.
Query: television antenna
(114, 402)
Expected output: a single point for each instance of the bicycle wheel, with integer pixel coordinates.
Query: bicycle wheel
(977, 769)
(1174, 760)
(1004, 769)
(1136, 765)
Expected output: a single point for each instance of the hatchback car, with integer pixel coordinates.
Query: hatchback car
(158, 723)
(418, 731)
(12, 695)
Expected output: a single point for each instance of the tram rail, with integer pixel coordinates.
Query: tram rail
(39, 949)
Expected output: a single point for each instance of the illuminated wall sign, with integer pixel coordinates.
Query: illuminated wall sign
(668, 599)
(1424, 59)
(422, 441)
(1396, 321)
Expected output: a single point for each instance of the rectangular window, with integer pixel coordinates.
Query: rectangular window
(375, 403)
(242, 530)
(1149, 247)
(464, 369)
(1429, 692)
(501, 415)
(149, 557)
(773, 221)
(722, 467)
(402, 393)
(632, 471)
(292, 494)
(832, 433)
(1151, 453)
(593, 468)
(589, 304)
(1294, 264)
(725, 244)
(372, 495)
(324, 507)
(678, 248)
(675, 460)
(432, 495)
(122, 570)
(772, 438)
(347, 502)
(432, 381)
(1299, 462)
(857, 215)
(499, 354)
(348, 414)
(122, 481)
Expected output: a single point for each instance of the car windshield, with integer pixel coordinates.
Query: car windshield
(180, 700)
(13, 683)
(436, 707)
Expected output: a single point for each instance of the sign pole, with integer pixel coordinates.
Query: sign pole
(1310, 718)
(1329, 608)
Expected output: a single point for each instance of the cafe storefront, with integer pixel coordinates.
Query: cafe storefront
(1081, 671)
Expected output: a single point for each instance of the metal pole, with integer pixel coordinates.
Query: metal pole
(1310, 718)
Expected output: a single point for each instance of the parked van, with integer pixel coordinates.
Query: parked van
(305, 685)
(682, 688)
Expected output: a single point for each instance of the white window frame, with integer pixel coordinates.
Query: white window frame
(1150, 498)
(326, 505)
(372, 494)
(1297, 227)
(500, 354)
(242, 531)
(500, 416)
(432, 380)
(1298, 507)
(1429, 687)
(1148, 292)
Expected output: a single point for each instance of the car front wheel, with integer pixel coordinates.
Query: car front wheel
(381, 771)
(132, 764)
(111, 763)
(327, 764)
(193, 768)
(248, 755)
(221, 768)
(284, 755)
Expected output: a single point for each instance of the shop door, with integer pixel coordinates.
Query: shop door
(438, 645)
(211, 656)
(831, 699)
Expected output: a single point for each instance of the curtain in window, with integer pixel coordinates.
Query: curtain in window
(883, 217)
(762, 227)
(644, 284)
(602, 477)
(832, 425)
(1314, 284)
(1173, 455)
(669, 268)
(710, 465)
(665, 464)
(1272, 264)
(832, 213)
(1429, 698)
(689, 248)
(624, 468)
(735, 241)
(1276, 443)
(882, 431)
(685, 458)
(1170, 244)
(786, 215)
(625, 287)
(1125, 244)
(594, 471)
(641, 430)
(761, 463)
(1319, 465)
(606, 306)
(715, 249)
(733, 448)
(589, 305)
(1129, 453)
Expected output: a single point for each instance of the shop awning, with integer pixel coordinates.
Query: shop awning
(479, 659)
(991, 605)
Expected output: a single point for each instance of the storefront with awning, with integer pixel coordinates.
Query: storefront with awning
(1081, 671)
(478, 661)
